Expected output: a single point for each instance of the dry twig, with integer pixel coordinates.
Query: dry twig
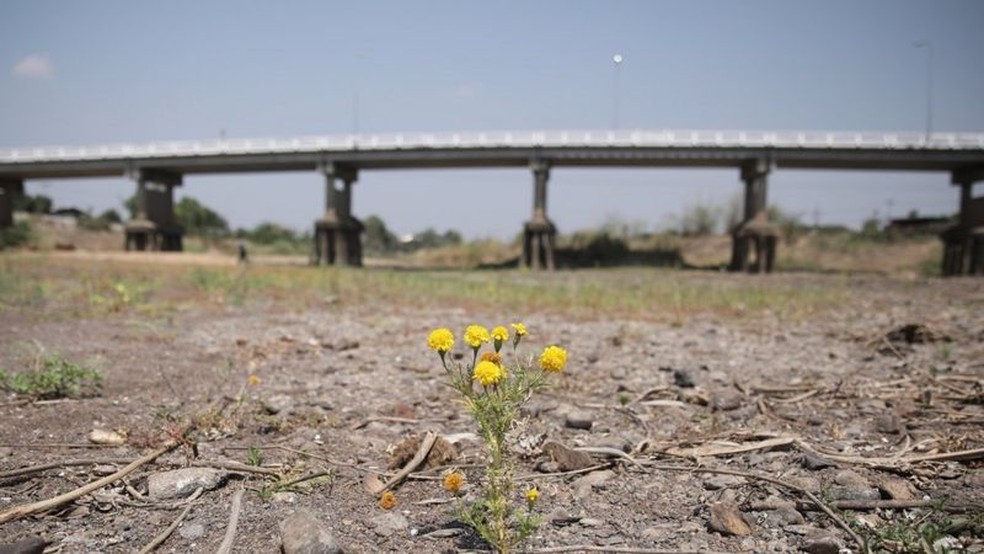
(425, 447)
(166, 533)
(230, 536)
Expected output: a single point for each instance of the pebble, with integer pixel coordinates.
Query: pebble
(389, 523)
(591, 522)
(849, 478)
(582, 485)
(727, 401)
(277, 403)
(896, 488)
(302, 533)
(579, 420)
(727, 519)
(823, 544)
(718, 482)
(192, 531)
(854, 493)
(814, 462)
(180, 483)
(29, 545)
(684, 378)
(889, 424)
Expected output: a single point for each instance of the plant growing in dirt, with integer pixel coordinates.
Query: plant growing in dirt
(494, 391)
(55, 378)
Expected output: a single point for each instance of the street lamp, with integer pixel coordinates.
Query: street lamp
(929, 85)
(618, 59)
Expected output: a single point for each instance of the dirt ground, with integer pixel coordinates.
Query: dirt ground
(834, 406)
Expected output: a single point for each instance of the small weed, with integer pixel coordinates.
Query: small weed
(55, 378)
(254, 456)
(623, 399)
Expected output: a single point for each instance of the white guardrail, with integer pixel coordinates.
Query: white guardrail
(502, 139)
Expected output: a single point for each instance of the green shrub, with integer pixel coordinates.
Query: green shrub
(57, 378)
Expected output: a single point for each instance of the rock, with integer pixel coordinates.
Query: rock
(727, 401)
(102, 436)
(277, 403)
(567, 459)
(718, 482)
(726, 518)
(582, 485)
(579, 420)
(192, 531)
(389, 523)
(560, 517)
(684, 378)
(28, 545)
(591, 522)
(822, 544)
(889, 424)
(180, 483)
(854, 493)
(302, 533)
(897, 489)
(815, 462)
(850, 478)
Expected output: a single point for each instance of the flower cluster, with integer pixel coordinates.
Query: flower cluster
(493, 391)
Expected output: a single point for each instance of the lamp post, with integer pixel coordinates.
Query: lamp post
(618, 59)
(929, 86)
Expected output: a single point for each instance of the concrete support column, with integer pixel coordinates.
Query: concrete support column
(539, 233)
(10, 189)
(755, 232)
(338, 235)
(154, 227)
(963, 243)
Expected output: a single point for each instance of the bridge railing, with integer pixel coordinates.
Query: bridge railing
(502, 139)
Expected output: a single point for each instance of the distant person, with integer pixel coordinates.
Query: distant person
(243, 252)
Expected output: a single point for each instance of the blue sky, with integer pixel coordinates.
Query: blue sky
(77, 73)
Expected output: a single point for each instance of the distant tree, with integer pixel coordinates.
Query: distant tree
(451, 237)
(699, 219)
(130, 204)
(197, 219)
(111, 216)
(35, 204)
(269, 233)
(871, 227)
(377, 237)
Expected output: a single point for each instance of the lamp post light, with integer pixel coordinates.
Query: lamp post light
(929, 86)
(618, 59)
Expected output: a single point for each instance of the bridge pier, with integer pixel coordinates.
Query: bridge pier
(154, 227)
(963, 243)
(539, 233)
(338, 235)
(755, 234)
(10, 189)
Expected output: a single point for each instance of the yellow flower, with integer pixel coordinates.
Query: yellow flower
(453, 481)
(532, 494)
(520, 329)
(253, 380)
(499, 336)
(475, 335)
(387, 501)
(554, 358)
(441, 340)
(488, 373)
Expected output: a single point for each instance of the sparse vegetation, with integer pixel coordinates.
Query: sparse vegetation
(55, 378)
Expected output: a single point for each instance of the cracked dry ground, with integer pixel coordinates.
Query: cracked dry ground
(843, 403)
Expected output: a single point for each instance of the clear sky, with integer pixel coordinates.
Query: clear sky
(80, 73)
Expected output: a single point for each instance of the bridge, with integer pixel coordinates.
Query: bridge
(158, 167)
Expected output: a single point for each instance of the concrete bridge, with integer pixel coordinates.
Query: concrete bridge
(158, 167)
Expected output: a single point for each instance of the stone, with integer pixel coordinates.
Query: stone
(727, 519)
(278, 403)
(591, 522)
(822, 544)
(896, 488)
(302, 533)
(684, 378)
(849, 478)
(815, 462)
(579, 420)
(560, 517)
(566, 458)
(582, 485)
(192, 531)
(180, 483)
(889, 424)
(389, 523)
(718, 482)
(28, 545)
(858, 494)
(727, 401)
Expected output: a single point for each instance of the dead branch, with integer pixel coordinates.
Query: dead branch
(616, 549)
(25, 510)
(860, 505)
(230, 536)
(607, 452)
(390, 419)
(797, 398)
(152, 545)
(711, 449)
(57, 465)
(235, 466)
(534, 476)
(425, 447)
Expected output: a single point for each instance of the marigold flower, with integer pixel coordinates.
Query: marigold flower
(253, 380)
(519, 331)
(553, 359)
(441, 340)
(488, 373)
(387, 501)
(453, 481)
(499, 336)
(532, 494)
(493, 357)
(475, 335)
